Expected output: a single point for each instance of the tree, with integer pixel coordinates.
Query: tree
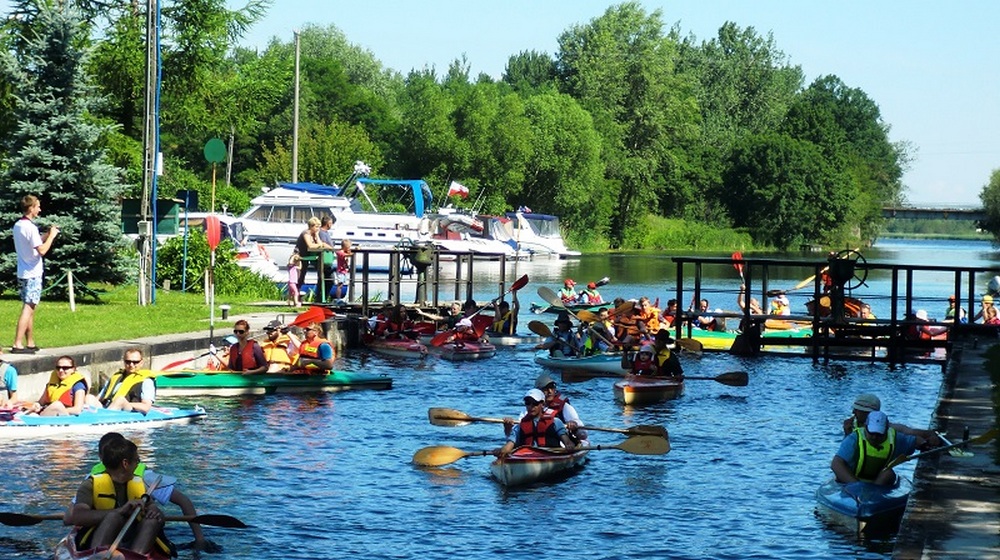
(530, 71)
(54, 151)
(990, 197)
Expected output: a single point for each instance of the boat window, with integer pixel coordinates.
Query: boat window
(280, 214)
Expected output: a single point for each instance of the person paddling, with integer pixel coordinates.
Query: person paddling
(246, 355)
(557, 405)
(867, 403)
(863, 454)
(316, 354)
(537, 428)
(564, 341)
(568, 294)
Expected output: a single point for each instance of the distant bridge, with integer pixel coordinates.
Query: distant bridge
(941, 212)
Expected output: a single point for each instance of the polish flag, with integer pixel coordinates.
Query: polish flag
(457, 189)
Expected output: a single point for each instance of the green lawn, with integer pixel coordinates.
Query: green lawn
(118, 317)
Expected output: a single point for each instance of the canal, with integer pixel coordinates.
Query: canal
(328, 476)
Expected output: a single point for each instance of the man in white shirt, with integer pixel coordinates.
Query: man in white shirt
(30, 248)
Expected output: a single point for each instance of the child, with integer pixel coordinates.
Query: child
(294, 263)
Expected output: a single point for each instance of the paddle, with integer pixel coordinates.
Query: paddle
(554, 300)
(738, 264)
(731, 378)
(451, 418)
(110, 553)
(440, 455)
(690, 344)
(212, 519)
(541, 329)
(980, 439)
(443, 336)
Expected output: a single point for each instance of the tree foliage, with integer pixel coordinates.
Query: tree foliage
(990, 197)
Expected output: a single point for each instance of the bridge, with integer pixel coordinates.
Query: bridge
(939, 212)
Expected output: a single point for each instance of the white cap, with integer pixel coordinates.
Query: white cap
(922, 314)
(464, 322)
(647, 348)
(535, 395)
(878, 422)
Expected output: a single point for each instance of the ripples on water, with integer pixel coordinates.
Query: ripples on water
(328, 476)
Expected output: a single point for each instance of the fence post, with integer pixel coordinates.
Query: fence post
(72, 294)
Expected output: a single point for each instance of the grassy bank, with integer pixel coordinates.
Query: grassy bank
(118, 317)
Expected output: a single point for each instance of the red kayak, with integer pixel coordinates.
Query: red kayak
(398, 347)
(460, 350)
(639, 390)
(66, 550)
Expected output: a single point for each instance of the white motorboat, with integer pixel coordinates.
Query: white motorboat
(536, 234)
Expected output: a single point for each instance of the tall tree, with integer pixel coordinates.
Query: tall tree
(530, 71)
(990, 197)
(54, 151)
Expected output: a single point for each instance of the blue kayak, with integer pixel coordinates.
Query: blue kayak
(863, 507)
(91, 420)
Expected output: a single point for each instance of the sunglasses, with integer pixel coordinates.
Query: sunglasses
(63, 368)
(239, 331)
(132, 362)
(529, 404)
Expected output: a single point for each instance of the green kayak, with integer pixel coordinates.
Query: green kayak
(225, 383)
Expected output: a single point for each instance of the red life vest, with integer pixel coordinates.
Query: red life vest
(246, 357)
(311, 349)
(556, 406)
(542, 434)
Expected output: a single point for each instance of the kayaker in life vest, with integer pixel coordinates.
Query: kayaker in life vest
(130, 389)
(246, 355)
(66, 393)
(649, 315)
(955, 314)
(105, 501)
(316, 354)
(781, 306)
(669, 314)
(560, 406)
(863, 454)
(866, 403)
(591, 296)
(539, 427)
(665, 357)
(643, 364)
(600, 336)
(505, 316)
(628, 327)
(567, 294)
(988, 312)
(564, 341)
(166, 492)
(281, 347)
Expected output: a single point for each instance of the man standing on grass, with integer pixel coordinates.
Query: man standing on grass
(30, 248)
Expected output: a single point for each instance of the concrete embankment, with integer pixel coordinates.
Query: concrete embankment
(954, 511)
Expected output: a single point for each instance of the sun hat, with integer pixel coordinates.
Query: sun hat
(664, 338)
(543, 381)
(878, 422)
(535, 395)
(563, 318)
(987, 299)
(867, 403)
(782, 299)
(922, 314)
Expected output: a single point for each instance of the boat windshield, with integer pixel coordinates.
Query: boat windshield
(281, 214)
(389, 196)
(544, 225)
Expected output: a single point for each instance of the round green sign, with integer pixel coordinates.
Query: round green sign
(215, 150)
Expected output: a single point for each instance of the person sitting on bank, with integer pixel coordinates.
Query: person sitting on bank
(105, 501)
(867, 403)
(564, 341)
(246, 355)
(864, 454)
(67, 392)
(281, 347)
(130, 389)
(539, 427)
(567, 294)
(316, 354)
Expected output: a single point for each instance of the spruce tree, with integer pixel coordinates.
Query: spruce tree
(55, 152)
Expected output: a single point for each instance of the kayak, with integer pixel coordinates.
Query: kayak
(539, 308)
(532, 464)
(598, 363)
(460, 350)
(95, 420)
(66, 550)
(497, 339)
(640, 390)
(863, 507)
(723, 340)
(398, 347)
(226, 383)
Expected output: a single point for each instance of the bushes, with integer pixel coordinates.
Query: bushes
(230, 278)
(657, 233)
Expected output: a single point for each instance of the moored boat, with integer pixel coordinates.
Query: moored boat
(398, 347)
(227, 383)
(610, 363)
(863, 507)
(638, 390)
(460, 350)
(95, 420)
(66, 550)
(526, 465)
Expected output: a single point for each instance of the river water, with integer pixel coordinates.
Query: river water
(329, 476)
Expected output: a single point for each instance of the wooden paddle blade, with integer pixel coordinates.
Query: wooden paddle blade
(539, 328)
(588, 316)
(626, 307)
(441, 455)
(690, 344)
(448, 417)
(645, 445)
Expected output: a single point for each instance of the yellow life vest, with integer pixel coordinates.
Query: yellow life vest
(871, 459)
(56, 387)
(277, 352)
(105, 498)
(127, 383)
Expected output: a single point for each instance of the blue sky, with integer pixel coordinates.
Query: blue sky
(932, 67)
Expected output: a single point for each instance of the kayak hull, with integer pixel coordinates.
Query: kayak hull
(723, 340)
(398, 348)
(538, 308)
(226, 383)
(527, 465)
(497, 339)
(66, 550)
(863, 507)
(637, 390)
(93, 420)
(598, 363)
(464, 350)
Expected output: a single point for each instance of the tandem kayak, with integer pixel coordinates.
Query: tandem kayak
(227, 383)
(639, 390)
(95, 420)
(66, 550)
(526, 465)
(498, 339)
(460, 350)
(863, 507)
(723, 340)
(610, 363)
(398, 347)
(574, 308)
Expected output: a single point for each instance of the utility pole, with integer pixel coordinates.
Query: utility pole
(147, 230)
(295, 116)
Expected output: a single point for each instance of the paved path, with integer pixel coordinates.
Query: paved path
(954, 511)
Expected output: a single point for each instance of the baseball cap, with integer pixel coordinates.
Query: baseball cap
(878, 422)
(543, 381)
(569, 282)
(647, 348)
(922, 314)
(592, 285)
(867, 403)
(273, 325)
(535, 395)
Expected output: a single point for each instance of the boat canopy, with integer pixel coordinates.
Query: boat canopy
(417, 188)
(312, 188)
